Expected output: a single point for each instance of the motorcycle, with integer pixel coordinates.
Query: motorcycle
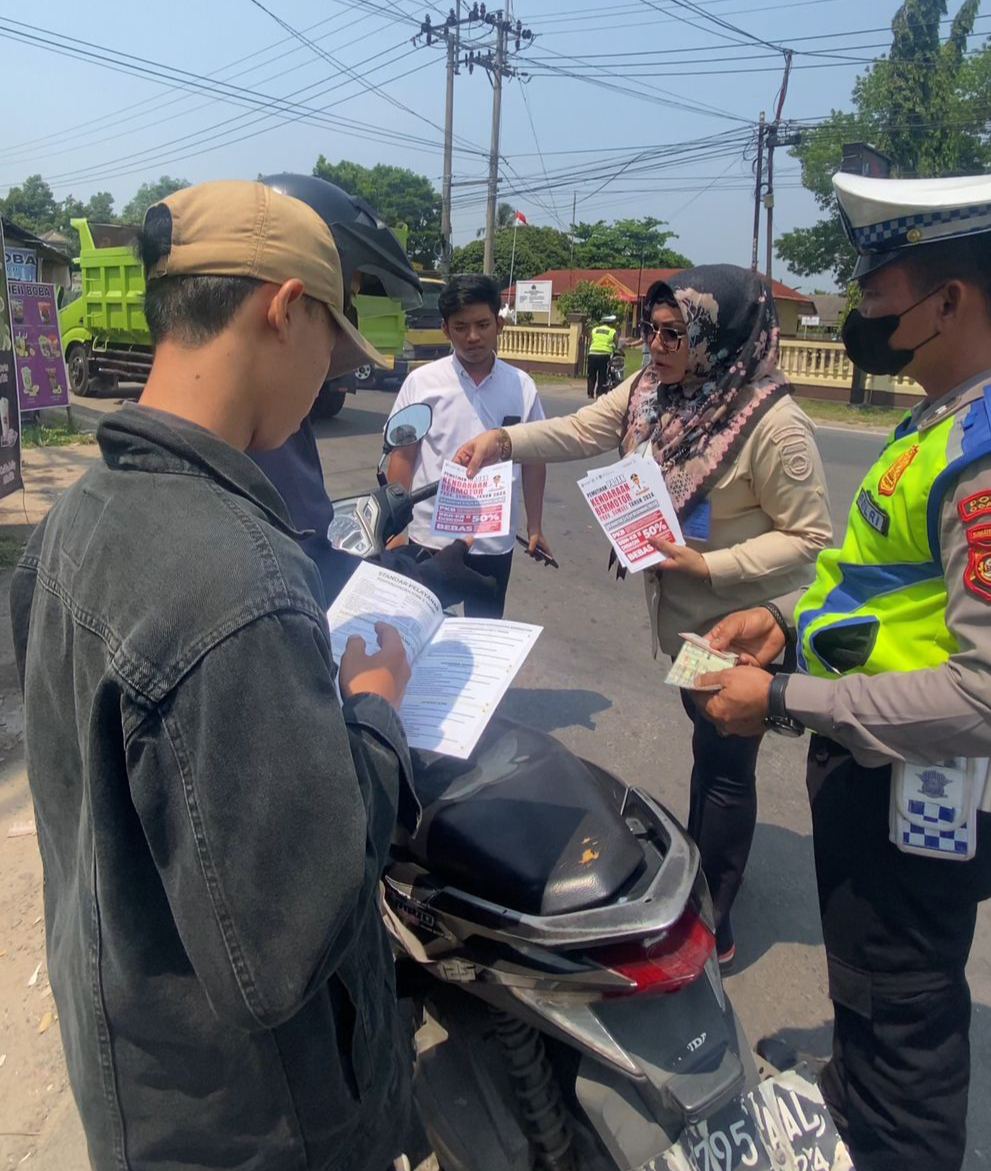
(556, 948)
(616, 371)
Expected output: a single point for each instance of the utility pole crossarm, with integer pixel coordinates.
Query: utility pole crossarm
(494, 59)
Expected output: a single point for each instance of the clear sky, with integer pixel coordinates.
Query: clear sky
(569, 131)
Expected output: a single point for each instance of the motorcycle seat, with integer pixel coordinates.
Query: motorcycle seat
(525, 824)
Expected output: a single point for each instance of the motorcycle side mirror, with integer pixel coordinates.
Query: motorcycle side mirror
(408, 426)
(405, 428)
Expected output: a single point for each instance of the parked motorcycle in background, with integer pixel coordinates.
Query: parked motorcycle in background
(556, 948)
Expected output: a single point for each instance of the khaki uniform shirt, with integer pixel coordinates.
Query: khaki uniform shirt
(769, 520)
(927, 715)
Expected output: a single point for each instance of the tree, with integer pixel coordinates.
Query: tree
(99, 208)
(593, 302)
(149, 193)
(31, 205)
(626, 244)
(399, 196)
(537, 250)
(504, 217)
(926, 106)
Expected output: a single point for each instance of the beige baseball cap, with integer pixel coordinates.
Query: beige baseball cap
(233, 227)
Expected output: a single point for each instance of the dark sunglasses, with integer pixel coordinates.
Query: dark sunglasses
(669, 338)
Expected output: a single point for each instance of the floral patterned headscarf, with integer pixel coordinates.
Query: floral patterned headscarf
(696, 428)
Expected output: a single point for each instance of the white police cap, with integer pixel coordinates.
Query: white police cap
(885, 218)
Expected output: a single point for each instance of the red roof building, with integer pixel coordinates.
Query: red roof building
(630, 285)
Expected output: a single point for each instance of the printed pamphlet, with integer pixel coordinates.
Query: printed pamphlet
(481, 507)
(632, 504)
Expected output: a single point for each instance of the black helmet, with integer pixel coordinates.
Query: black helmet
(364, 242)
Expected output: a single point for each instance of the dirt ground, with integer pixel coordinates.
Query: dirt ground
(39, 1127)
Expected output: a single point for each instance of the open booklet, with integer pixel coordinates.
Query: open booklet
(462, 667)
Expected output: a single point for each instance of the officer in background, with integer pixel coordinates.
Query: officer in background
(602, 346)
(894, 642)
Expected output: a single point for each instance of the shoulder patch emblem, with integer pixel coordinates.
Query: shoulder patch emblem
(795, 458)
(977, 575)
(889, 481)
(975, 507)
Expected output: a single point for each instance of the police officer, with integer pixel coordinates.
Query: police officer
(601, 347)
(894, 642)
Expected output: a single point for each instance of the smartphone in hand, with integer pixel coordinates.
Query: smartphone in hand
(540, 555)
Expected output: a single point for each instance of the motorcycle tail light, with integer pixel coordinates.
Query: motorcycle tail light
(667, 965)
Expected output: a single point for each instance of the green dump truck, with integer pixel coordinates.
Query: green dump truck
(105, 335)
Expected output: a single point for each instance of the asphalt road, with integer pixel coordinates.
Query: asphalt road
(591, 681)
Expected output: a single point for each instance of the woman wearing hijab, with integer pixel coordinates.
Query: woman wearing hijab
(740, 461)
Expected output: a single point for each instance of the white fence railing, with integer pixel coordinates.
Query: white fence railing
(815, 363)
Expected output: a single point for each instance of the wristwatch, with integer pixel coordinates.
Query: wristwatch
(505, 443)
(777, 718)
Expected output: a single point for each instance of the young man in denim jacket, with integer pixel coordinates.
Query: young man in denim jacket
(213, 822)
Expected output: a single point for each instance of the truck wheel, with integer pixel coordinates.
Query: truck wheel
(329, 403)
(77, 367)
(365, 377)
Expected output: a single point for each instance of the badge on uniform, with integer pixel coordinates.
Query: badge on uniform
(873, 513)
(888, 483)
(977, 575)
(933, 807)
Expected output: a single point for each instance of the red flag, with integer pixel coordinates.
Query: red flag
(520, 218)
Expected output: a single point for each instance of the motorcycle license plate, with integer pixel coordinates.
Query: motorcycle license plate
(783, 1125)
(729, 1141)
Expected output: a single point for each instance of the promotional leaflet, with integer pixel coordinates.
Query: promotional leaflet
(481, 507)
(632, 504)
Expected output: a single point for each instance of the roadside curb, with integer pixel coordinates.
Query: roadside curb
(857, 429)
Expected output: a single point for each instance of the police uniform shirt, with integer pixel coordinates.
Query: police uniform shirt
(919, 715)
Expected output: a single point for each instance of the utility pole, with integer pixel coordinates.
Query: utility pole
(453, 43)
(772, 142)
(493, 58)
(758, 189)
(495, 75)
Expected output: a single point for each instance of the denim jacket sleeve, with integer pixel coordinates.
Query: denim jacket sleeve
(269, 814)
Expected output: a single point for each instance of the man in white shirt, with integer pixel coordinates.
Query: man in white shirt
(470, 391)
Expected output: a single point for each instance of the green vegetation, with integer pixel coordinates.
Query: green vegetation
(46, 434)
(926, 105)
(824, 411)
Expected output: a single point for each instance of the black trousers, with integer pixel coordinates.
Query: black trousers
(598, 371)
(497, 565)
(898, 930)
(722, 811)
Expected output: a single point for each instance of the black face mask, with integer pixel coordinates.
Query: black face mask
(867, 340)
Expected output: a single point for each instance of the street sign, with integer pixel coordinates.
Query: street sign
(809, 321)
(534, 296)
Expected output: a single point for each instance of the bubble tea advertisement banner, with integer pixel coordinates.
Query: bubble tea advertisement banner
(10, 417)
(41, 377)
